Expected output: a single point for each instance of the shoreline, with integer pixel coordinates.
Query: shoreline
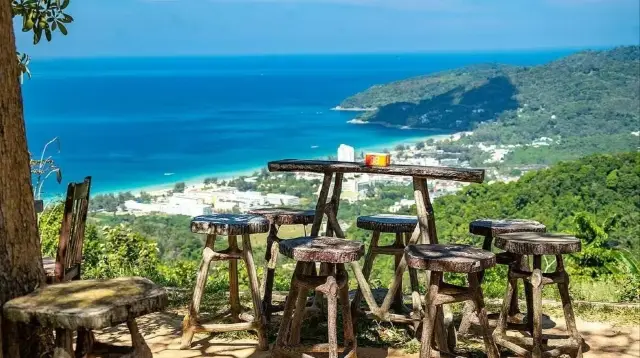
(197, 181)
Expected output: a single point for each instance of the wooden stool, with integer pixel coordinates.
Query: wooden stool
(490, 228)
(277, 217)
(88, 305)
(333, 253)
(229, 225)
(402, 226)
(538, 244)
(438, 259)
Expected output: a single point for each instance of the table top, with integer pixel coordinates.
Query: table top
(91, 304)
(327, 166)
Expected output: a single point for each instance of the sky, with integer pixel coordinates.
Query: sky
(249, 27)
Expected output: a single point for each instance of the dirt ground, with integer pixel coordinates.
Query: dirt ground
(162, 332)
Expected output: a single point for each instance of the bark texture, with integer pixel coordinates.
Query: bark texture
(20, 259)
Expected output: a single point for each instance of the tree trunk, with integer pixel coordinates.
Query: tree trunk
(20, 259)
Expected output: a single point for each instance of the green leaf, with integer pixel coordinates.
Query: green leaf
(54, 25)
(47, 33)
(66, 18)
(63, 28)
(37, 34)
(65, 3)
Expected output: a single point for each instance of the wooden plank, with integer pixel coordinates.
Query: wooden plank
(325, 166)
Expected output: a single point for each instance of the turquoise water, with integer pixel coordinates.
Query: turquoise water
(129, 122)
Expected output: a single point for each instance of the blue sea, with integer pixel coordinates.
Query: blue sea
(143, 122)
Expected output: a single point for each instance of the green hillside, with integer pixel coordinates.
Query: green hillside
(590, 94)
(598, 188)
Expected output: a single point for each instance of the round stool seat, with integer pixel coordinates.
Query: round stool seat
(537, 243)
(495, 227)
(388, 223)
(285, 216)
(449, 258)
(229, 224)
(322, 249)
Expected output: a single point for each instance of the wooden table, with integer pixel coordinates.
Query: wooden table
(85, 306)
(425, 231)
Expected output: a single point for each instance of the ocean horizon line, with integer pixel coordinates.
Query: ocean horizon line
(328, 54)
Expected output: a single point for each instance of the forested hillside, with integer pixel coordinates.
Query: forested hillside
(591, 94)
(604, 189)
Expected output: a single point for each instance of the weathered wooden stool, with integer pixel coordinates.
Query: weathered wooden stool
(537, 245)
(490, 228)
(277, 217)
(402, 226)
(333, 253)
(437, 259)
(229, 225)
(88, 305)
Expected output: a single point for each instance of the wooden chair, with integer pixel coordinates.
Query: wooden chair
(67, 263)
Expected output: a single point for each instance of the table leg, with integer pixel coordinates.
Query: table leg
(333, 227)
(331, 210)
(322, 203)
(271, 260)
(428, 235)
(64, 344)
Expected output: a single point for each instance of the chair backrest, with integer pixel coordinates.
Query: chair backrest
(69, 256)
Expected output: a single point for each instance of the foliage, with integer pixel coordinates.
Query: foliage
(596, 254)
(106, 202)
(171, 232)
(288, 184)
(42, 168)
(120, 251)
(49, 223)
(40, 16)
(179, 187)
(588, 101)
(145, 197)
(554, 197)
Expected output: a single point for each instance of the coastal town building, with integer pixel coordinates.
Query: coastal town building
(346, 153)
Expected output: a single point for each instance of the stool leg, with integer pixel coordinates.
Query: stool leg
(416, 301)
(568, 307)
(140, 347)
(398, 304)
(350, 341)
(332, 315)
(84, 343)
(234, 291)
(501, 326)
(289, 306)
(271, 259)
(64, 344)
(523, 265)
(536, 282)
(428, 324)
(191, 318)
(366, 272)
(247, 253)
(301, 303)
(469, 310)
(478, 298)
